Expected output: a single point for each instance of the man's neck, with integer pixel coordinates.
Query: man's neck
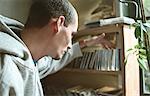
(39, 41)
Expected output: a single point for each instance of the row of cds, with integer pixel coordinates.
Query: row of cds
(105, 60)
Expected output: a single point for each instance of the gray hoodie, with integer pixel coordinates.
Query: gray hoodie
(19, 75)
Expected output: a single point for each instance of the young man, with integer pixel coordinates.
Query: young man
(28, 54)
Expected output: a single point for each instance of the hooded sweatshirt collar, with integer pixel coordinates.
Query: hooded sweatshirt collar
(10, 43)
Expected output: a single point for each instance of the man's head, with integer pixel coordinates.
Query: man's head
(42, 11)
(53, 22)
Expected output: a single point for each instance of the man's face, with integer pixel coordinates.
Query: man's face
(64, 38)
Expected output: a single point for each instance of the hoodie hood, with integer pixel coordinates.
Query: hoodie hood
(10, 43)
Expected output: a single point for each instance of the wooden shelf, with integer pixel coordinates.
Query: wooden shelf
(98, 30)
(126, 78)
(90, 71)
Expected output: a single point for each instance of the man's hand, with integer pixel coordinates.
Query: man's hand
(97, 40)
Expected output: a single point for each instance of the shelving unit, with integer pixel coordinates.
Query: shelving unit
(126, 78)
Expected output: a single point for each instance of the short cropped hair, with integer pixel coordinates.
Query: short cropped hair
(42, 11)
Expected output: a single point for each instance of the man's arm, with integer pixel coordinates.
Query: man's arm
(97, 40)
(47, 65)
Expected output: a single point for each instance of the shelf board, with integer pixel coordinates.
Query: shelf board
(91, 71)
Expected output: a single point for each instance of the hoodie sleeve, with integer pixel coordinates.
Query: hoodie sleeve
(47, 65)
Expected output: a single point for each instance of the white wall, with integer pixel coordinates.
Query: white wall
(17, 9)
(84, 9)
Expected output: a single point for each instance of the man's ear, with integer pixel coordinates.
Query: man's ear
(60, 22)
(57, 23)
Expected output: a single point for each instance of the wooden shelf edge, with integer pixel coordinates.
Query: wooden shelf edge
(91, 71)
